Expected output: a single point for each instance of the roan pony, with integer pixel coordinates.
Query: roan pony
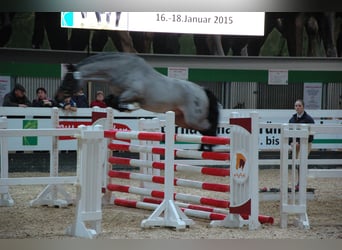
(132, 80)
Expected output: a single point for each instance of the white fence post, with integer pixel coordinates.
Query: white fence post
(107, 124)
(5, 197)
(254, 172)
(91, 147)
(293, 202)
(50, 195)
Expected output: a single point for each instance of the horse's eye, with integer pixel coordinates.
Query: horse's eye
(77, 75)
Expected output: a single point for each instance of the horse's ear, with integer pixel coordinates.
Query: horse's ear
(71, 67)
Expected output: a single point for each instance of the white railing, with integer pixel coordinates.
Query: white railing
(327, 130)
(88, 180)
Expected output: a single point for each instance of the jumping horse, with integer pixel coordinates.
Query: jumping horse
(132, 80)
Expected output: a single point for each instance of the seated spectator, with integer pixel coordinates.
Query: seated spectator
(81, 99)
(67, 104)
(17, 97)
(42, 100)
(99, 100)
(59, 97)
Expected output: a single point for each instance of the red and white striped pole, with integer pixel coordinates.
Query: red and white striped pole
(178, 152)
(218, 187)
(177, 167)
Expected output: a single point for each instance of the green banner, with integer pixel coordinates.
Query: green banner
(30, 140)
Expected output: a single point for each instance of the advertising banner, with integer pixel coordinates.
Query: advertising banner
(224, 23)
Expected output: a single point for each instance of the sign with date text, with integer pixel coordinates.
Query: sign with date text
(222, 23)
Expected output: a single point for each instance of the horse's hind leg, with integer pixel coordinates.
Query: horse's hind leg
(213, 118)
(201, 125)
(195, 120)
(209, 132)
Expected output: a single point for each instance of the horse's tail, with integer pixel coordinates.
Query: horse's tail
(213, 118)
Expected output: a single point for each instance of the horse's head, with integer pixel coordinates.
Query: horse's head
(71, 82)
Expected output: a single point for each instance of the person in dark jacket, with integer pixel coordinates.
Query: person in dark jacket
(42, 99)
(301, 116)
(81, 99)
(17, 97)
(67, 103)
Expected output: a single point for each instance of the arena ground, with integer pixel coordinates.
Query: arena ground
(22, 221)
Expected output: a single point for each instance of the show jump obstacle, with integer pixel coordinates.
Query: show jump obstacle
(54, 193)
(88, 182)
(93, 179)
(243, 203)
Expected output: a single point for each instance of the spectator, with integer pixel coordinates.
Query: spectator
(42, 100)
(301, 116)
(17, 97)
(81, 99)
(99, 100)
(67, 103)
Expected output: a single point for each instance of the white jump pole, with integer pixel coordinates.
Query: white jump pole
(91, 148)
(297, 202)
(173, 216)
(107, 125)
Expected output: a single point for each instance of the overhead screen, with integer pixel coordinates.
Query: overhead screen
(224, 23)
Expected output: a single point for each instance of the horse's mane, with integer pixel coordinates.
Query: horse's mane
(71, 67)
(108, 56)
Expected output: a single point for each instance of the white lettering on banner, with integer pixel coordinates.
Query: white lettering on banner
(269, 137)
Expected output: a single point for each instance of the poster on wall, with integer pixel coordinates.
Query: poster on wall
(178, 72)
(278, 76)
(5, 87)
(313, 95)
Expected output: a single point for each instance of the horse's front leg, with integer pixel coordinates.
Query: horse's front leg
(124, 102)
(130, 99)
(113, 101)
(130, 96)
